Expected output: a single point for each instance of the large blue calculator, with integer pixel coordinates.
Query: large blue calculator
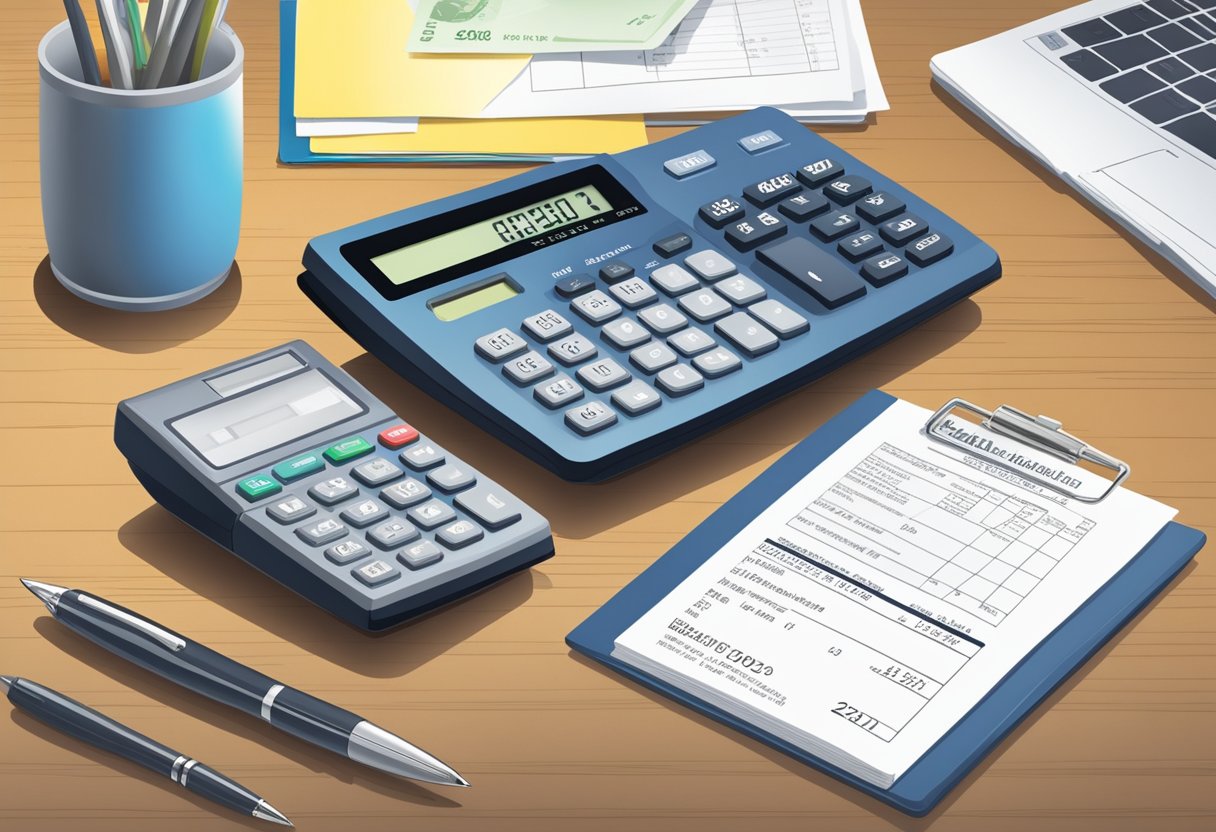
(598, 313)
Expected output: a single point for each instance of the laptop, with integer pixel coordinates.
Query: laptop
(1119, 100)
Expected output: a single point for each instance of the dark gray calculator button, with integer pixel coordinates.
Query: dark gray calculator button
(615, 270)
(375, 573)
(717, 362)
(603, 374)
(883, 268)
(430, 514)
(689, 164)
(290, 509)
(1164, 106)
(755, 230)
(333, 491)
(590, 417)
(673, 245)
(663, 319)
(636, 397)
(848, 189)
(500, 344)
(815, 270)
(673, 279)
(1170, 70)
(420, 555)
(835, 225)
(527, 369)
(860, 246)
(547, 325)
(634, 292)
(759, 141)
(421, 457)
(818, 172)
(572, 350)
(321, 532)
(704, 305)
(679, 380)
(747, 333)
(394, 533)
(903, 228)
(625, 334)
(652, 357)
(364, 513)
(1091, 32)
(879, 206)
(1135, 19)
(596, 307)
(741, 290)
(691, 342)
(709, 264)
(490, 505)
(779, 318)
(348, 551)
(574, 285)
(801, 207)
(1133, 51)
(460, 534)
(557, 391)
(928, 250)
(774, 189)
(405, 493)
(1088, 65)
(452, 477)
(721, 211)
(376, 472)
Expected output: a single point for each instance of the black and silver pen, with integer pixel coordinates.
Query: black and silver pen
(85, 724)
(218, 677)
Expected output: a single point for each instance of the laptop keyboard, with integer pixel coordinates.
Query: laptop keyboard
(1158, 59)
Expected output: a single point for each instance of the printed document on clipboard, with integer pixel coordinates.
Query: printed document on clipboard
(870, 607)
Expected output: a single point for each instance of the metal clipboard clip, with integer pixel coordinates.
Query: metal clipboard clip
(1039, 432)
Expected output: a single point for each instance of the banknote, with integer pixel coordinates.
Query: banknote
(531, 26)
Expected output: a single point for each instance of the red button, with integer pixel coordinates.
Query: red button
(397, 436)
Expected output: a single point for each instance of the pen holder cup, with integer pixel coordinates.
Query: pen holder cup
(141, 189)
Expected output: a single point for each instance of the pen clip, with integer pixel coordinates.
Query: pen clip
(162, 636)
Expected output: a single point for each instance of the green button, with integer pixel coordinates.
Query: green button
(348, 449)
(301, 466)
(255, 488)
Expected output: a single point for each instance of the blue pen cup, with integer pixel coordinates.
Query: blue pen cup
(141, 189)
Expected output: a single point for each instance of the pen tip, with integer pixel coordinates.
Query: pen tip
(264, 811)
(46, 593)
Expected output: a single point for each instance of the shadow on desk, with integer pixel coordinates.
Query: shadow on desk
(582, 510)
(208, 570)
(133, 332)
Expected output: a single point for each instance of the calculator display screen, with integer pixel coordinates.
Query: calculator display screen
(265, 418)
(453, 244)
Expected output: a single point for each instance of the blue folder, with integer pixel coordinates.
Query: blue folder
(962, 748)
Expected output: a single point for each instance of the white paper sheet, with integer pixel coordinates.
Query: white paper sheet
(355, 126)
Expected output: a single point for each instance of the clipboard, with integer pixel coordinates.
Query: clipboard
(971, 739)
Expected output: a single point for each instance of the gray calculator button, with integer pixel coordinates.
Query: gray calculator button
(500, 344)
(704, 305)
(779, 318)
(634, 292)
(651, 358)
(557, 391)
(321, 532)
(527, 368)
(348, 551)
(423, 553)
(717, 362)
(460, 534)
(547, 325)
(421, 457)
(572, 350)
(636, 397)
(741, 289)
(364, 513)
(405, 493)
(431, 513)
(709, 264)
(624, 333)
(759, 141)
(394, 533)
(689, 163)
(603, 374)
(290, 509)
(691, 342)
(333, 491)
(681, 379)
(747, 333)
(375, 573)
(490, 505)
(590, 417)
(376, 472)
(673, 279)
(596, 307)
(663, 319)
(452, 477)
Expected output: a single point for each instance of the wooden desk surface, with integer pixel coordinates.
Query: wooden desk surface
(1084, 326)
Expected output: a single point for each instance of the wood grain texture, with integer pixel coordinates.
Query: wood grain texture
(1084, 326)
